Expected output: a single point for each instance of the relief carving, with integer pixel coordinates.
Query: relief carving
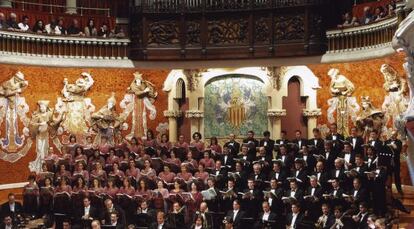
(227, 31)
(193, 33)
(163, 33)
(261, 33)
(289, 27)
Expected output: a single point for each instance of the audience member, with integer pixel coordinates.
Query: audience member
(12, 22)
(90, 29)
(74, 29)
(24, 25)
(39, 27)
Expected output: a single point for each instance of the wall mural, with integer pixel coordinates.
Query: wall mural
(234, 104)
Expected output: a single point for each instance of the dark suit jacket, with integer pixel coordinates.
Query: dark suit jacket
(228, 162)
(270, 144)
(318, 191)
(106, 215)
(329, 222)
(5, 208)
(323, 178)
(155, 226)
(93, 212)
(299, 143)
(298, 194)
(319, 146)
(237, 220)
(359, 141)
(337, 144)
(234, 147)
(299, 219)
(361, 196)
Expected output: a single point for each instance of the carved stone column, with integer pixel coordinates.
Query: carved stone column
(275, 124)
(5, 3)
(71, 7)
(312, 116)
(172, 116)
(196, 118)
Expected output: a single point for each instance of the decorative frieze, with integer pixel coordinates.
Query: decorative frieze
(276, 113)
(194, 114)
(312, 113)
(172, 114)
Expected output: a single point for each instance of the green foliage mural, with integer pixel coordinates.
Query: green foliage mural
(234, 104)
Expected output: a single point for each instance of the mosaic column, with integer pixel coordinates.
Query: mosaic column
(172, 116)
(196, 120)
(312, 117)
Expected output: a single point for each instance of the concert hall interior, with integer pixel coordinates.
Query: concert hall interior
(207, 114)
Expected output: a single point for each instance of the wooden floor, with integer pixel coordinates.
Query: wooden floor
(406, 220)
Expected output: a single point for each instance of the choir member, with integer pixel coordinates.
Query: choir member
(267, 218)
(30, 195)
(111, 189)
(327, 219)
(252, 144)
(395, 146)
(316, 142)
(164, 146)
(214, 147)
(227, 158)
(268, 145)
(295, 219)
(299, 141)
(236, 215)
(335, 137)
(233, 145)
(201, 173)
(197, 144)
(207, 161)
(356, 141)
(166, 175)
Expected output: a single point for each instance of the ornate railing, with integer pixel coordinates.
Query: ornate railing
(362, 37)
(26, 44)
(227, 29)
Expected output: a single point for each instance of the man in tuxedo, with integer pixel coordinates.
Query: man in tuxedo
(317, 141)
(267, 218)
(299, 141)
(313, 198)
(309, 160)
(329, 154)
(274, 198)
(86, 214)
(327, 219)
(227, 158)
(375, 142)
(251, 199)
(356, 141)
(339, 172)
(336, 193)
(160, 224)
(335, 137)
(109, 208)
(11, 207)
(268, 144)
(278, 173)
(205, 214)
(220, 174)
(395, 146)
(358, 193)
(348, 155)
(362, 217)
(295, 218)
(236, 215)
(233, 145)
(282, 140)
(285, 158)
(294, 191)
(360, 167)
(299, 172)
(251, 143)
(7, 223)
(321, 175)
(145, 215)
(115, 222)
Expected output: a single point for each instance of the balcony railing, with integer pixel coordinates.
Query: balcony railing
(362, 37)
(26, 44)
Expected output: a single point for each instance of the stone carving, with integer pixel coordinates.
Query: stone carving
(395, 102)
(342, 103)
(163, 33)
(312, 113)
(193, 77)
(194, 114)
(262, 33)
(75, 106)
(404, 40)
(289, 27)
(370, 118)
(41, 124)
(276, 113)
(227, 31)
(139, 99)
(12, 107)
(193, 33)
(172, 114)
(275, 74)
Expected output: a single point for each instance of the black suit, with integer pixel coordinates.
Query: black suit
(93, 213)
(233, 146)
(362, 223)
(396, 166)
(237, 220)
(252, 145)
(227, 161)
(155, 226)
(299, 220)
(336, 141)
(107, 215)
(322, 179)
(299, 143)
(330, 158)
(361, 196)
(272, 219)
(298, 194)
(319, 144)
(356, 143)
(329, 222)
(5, 209)
(252, 206)
(269, 145)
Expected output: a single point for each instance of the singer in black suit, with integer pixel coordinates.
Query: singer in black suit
(11, 207)
(356, 141)
(267, 218)
(236, 215)
(395, 147)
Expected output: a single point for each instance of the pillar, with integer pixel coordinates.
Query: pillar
(195, 116)
(71, 7)
(312, 116)
(5, 3)
(172, 116)
(275, 124)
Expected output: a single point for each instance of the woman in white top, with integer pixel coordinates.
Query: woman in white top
(24, 25)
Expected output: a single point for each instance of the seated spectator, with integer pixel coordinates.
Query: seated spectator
(39, 27)
(378, 14)
(74, 29)
(104, 31)
(61, 30)
(24, 25)
(117, 32)
(390, 10)
(52, 28)
(90, 30)
(12, 22)
(3, 24)
(349, 21)
(367, 18)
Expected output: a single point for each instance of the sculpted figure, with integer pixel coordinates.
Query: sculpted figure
(13, 86)
(77, 90)
(141, 95)
(369, 118)
(106, 122)
(392, 83)
(41, 123)
(340, 85)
